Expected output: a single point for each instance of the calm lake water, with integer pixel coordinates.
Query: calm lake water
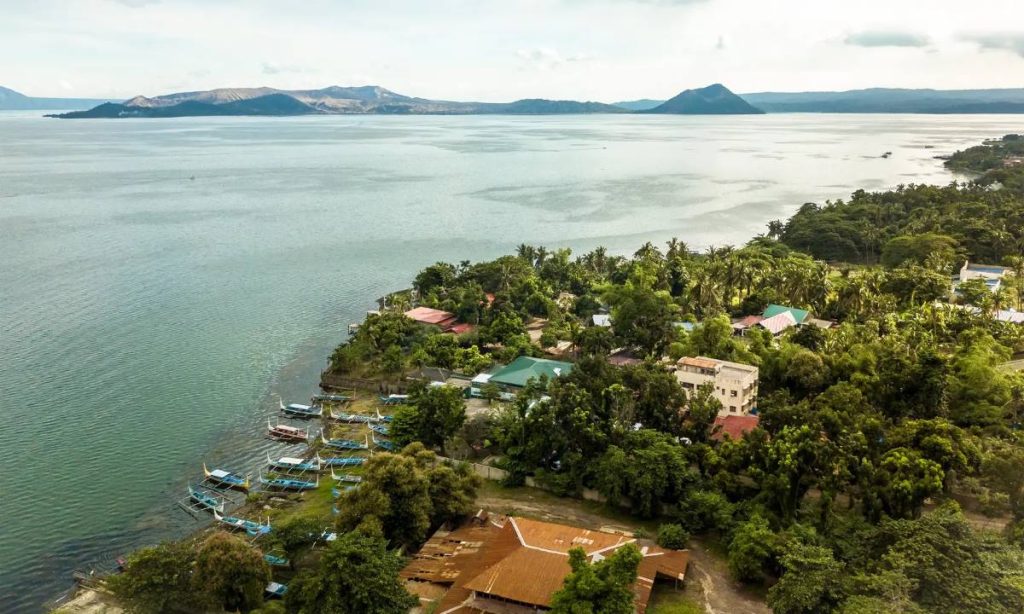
(162, 280)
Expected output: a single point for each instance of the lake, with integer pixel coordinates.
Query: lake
(164, 280)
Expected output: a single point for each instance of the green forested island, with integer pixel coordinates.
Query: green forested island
(882, 470)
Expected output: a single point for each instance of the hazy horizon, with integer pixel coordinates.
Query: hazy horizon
(606, 50)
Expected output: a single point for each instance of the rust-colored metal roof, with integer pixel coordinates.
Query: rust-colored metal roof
(524, 561)
(428, 315)
(701, 363)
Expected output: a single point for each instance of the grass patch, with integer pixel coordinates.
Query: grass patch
(668, 600)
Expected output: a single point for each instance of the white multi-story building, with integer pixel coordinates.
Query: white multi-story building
(991, 274)
(735, 383)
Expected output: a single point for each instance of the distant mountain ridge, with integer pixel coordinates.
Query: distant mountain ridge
(11, 100)
(369, 99)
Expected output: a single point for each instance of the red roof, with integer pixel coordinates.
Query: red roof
(733, 426)
(460, 328)
(748, 321)
(435, 317)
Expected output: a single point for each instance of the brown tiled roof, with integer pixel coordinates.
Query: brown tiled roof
(733, 426)
(523, 561)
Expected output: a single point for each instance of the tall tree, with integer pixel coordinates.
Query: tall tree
(433, 415)
(231, 572)
(605, 587)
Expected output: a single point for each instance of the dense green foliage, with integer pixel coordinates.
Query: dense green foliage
(433, 415)
(604, 587)
(231, 572)
(357, 573)
(157, 579)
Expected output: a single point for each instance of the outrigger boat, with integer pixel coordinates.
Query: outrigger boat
(344, 444)
(274, 560)
(276, 589)
(288, 483)
(205, 501)
(291, 464)
(297, 410)
(226, 479)
(249, 526)
(343, 461)
(384, 444)
(346, 477)
(331, 398)
(285, 432)
(354, 418)
(395, 399)
(380, 429)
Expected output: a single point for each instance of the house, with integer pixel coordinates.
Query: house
(512, 565)
(778, 323)
(799, 315)
(517, 373)
(601, 319)
(735, 384)
(733, 426)
(991, 274)
(741, 325)
(432, 317)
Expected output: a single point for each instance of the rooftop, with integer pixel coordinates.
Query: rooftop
(799, 315)
(525, 368)
(778, 322)
(733, 426)
(523, 561)
(428, 315)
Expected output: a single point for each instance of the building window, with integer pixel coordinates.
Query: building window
(732, 409)
(732, 393)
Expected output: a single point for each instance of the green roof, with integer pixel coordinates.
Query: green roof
(798, 314)
(525, 368)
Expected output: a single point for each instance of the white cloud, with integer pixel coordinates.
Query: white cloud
(999, 41)
(545, 58)
(887, 38)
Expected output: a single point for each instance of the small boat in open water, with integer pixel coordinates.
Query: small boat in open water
(286, 432)
(226, 479)
(294, 465)
(288, 483)
(344, 444)
(205, 501)
(249, 526)
(297, 410)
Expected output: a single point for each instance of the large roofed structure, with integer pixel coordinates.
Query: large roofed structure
(511, 565)
(525, 368)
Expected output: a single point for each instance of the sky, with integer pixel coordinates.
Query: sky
(483, 50)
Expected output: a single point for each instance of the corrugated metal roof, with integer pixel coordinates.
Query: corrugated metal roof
(778, 323)
(428, 315)
(733, 426)
(799, 315)
(525, 368)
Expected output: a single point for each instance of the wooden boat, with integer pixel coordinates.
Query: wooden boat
(288, 483)
(344, 444)
(297, 410)
(384, 444)
(251, 527)
(286, 432)
(276, 589)
(226, 479)
(289, 464)
(343, 461)
(204, 500)
(395, 399)
(380, 429)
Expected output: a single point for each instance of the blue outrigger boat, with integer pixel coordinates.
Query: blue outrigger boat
(274, 560)
(297, 410)
(343, 461)
(384, 444)
(251, 527)
(226, 479)
(289, 464)
(276, 589)
(380, 429)
(395, 399)
(344, 444)
(288, 483)
(205, 501)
